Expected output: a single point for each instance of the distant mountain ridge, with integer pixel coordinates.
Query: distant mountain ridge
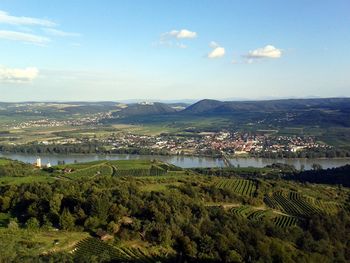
(208, 106)
(315, 111)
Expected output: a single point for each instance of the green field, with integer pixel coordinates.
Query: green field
(8, 180)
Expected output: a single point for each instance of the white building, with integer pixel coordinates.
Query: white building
(38, 162)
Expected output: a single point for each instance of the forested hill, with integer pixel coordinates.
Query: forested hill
(334, 109)
(136, 109)
(150, 211)
(322, 112)
(210, 106)
(335, 176)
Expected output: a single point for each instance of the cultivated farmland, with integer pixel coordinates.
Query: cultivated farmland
(239, 186)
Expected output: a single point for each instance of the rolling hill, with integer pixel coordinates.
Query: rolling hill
(317, 112)
(145, 108)
(214, 106)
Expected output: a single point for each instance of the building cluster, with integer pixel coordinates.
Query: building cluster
(237, 143)
(94, 119)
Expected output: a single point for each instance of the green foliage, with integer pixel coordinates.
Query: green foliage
(67, 220)
(192, 219)
(33, 223)
(4, 219)
(15, 168)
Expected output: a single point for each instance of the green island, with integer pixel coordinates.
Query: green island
(151, 211)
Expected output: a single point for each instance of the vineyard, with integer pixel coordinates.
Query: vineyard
(117, 168)
(152, 171)
(239, 186)
(285, 221)
(242, 211)
(292, 206)
(95, 247)
(295, 204)
(252, 213)
(99, 169)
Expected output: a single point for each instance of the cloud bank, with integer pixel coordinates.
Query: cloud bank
(6, 18)
(23, 37)
(15, 35)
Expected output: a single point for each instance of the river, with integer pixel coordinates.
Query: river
(182, 161)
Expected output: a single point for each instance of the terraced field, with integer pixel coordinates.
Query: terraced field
(95, 247)
(238, 186)
(295, 204)
(259, 214)
(285, 221)
(242, 211)
(252, 213)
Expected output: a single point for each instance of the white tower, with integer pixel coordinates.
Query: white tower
(38, 162)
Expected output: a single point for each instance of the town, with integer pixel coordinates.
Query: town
(202, 144)
(93, 119)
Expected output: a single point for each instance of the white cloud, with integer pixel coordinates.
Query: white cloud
(213, 44)
(172, 38)
(180, 34)
(6, 18)
(24, 37)
(18, 75)
(23, 31)
(217, 51)
(60, 33)
(268, 51)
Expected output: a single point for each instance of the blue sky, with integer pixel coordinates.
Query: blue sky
(168, 50)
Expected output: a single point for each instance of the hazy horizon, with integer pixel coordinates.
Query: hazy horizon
(188, 101)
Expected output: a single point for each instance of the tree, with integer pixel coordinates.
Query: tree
(13, 225)
(100, 207)
(32, 223)
(5, 202)
(67, 220)
(233, 256)
(188, 247)
(92, 223)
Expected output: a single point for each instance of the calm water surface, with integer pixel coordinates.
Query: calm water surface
(182, 161)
